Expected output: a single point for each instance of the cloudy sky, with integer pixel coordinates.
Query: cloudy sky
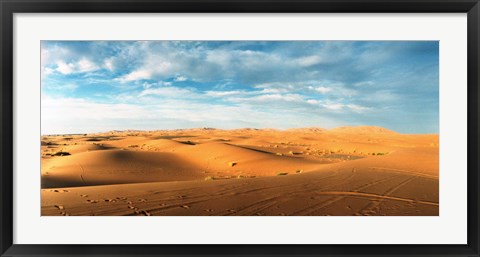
(94, 86)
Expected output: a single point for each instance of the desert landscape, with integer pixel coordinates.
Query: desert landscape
(345, 171)
(239, 128)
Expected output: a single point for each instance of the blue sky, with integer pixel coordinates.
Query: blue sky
(94, 86)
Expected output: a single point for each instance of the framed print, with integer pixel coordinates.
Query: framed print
(195, 128)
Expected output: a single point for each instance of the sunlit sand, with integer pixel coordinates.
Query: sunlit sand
(308, 171)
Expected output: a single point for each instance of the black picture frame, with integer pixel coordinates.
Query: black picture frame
(10, 7)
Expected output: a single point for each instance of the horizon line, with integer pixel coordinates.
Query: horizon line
(243, 128)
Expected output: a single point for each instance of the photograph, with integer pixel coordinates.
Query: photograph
(239, 128)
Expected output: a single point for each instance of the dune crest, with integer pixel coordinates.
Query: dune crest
(362, 130)
(307, 130)
(363, 170)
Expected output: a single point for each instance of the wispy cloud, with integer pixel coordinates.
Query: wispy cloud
(171, 92)
(239, 84)
(180, 78)
(226, 93)
(136, 75)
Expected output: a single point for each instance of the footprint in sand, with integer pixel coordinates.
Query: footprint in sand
(60, 207)
(92, 201)
(185, 206)
(142, 200)
(83, 195)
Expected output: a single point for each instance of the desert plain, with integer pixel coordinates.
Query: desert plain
(344, 171)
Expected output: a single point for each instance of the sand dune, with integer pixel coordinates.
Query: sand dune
(366, 130)
(311, 171)
(341, 192)
(242, 160)
(117, 167)
(73, 149)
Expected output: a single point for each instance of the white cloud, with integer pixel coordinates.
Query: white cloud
(286, 97)
(79, 108)
(65, 68)
(70, 86)
(77, 115)
(357, 108)
(280, 77)
(109, 64)
(50, 56)
(323, 90)
(147, 85)
(317, 86)
(47, 71)
(82, 66)
(309, 60)
(334, 106)
(169, 61)
(283, 99)
(382, 96)
(276, 87)
(172, 92)
(313, 101)
(346, 107)
(224, 93)
(44, 56)
(60, 86)
(85, 65)
(221, 57)
(269, 98)
(136, 75)
(181, 78)
(363, 83)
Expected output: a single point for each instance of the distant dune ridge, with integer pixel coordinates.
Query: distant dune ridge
(364, 170)
(362, 130)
